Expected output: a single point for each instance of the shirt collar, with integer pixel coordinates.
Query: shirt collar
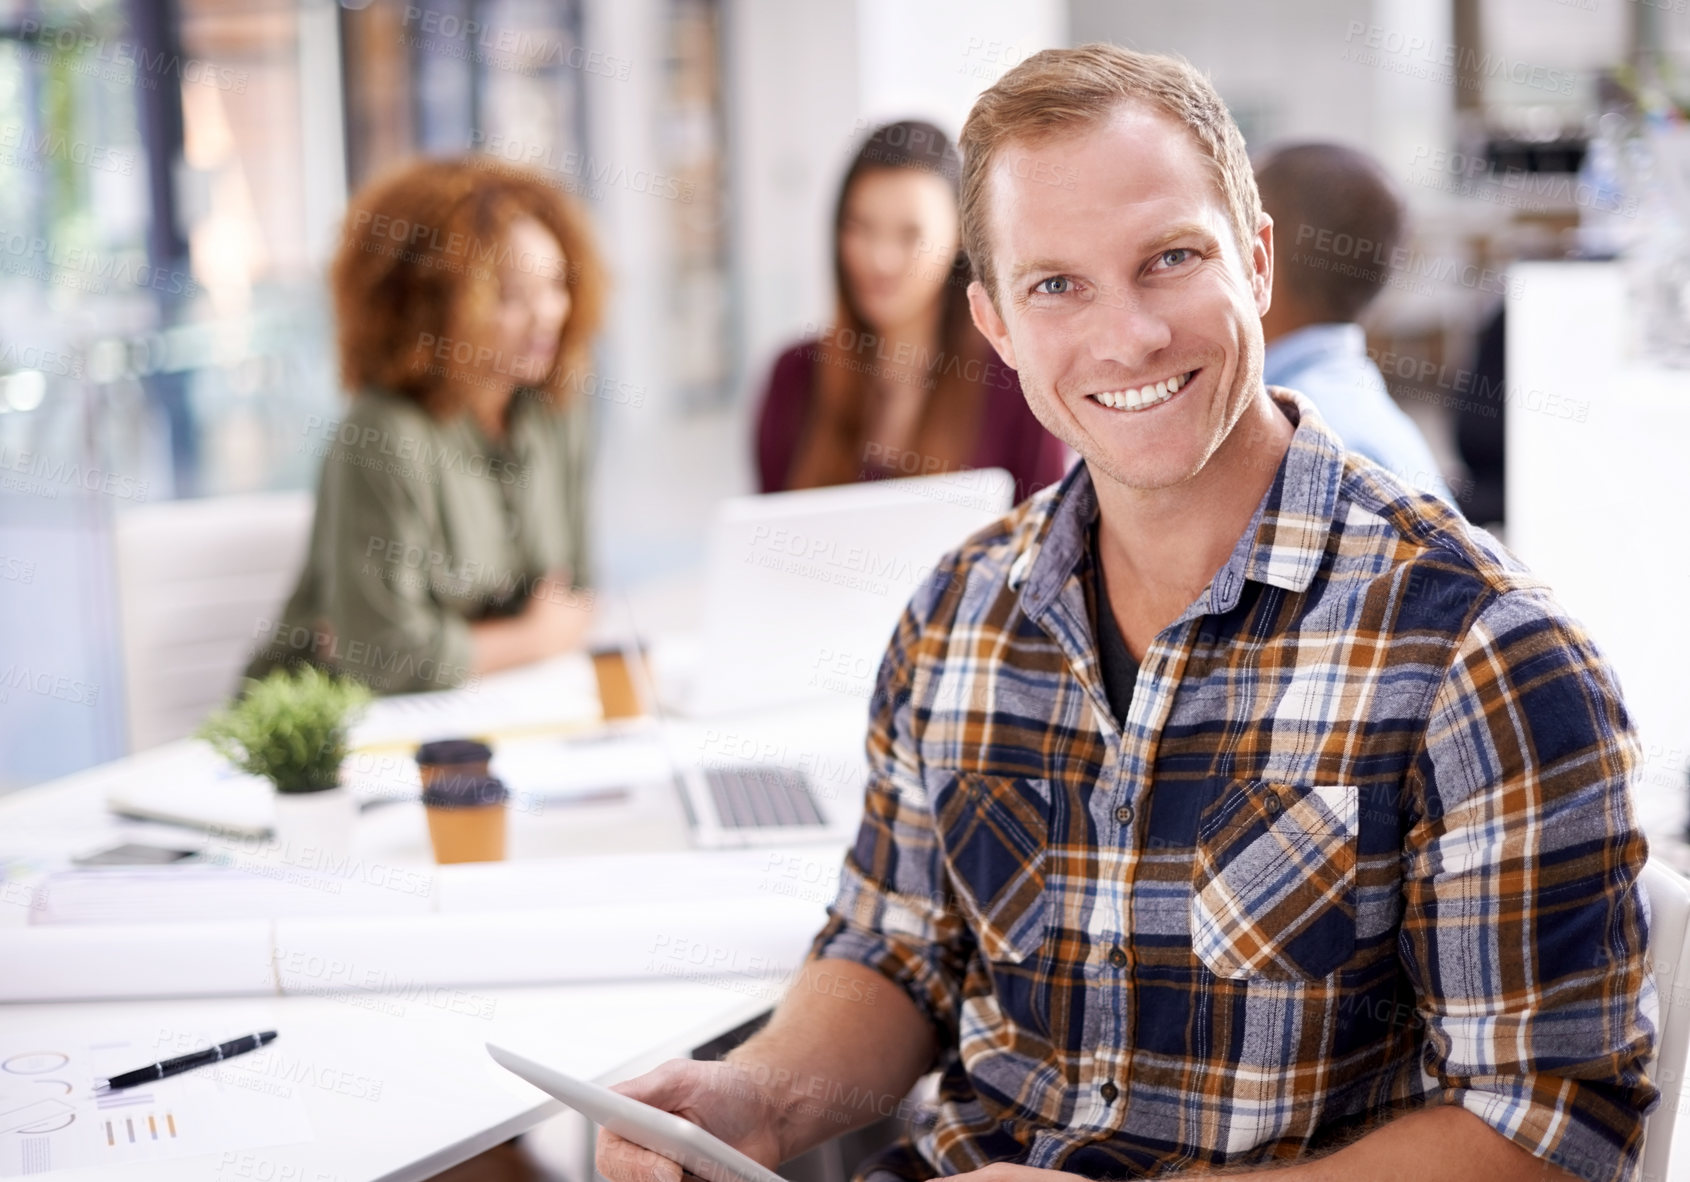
(1283, 545)
(1289, 353)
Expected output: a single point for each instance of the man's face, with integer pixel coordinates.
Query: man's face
(1123, 299)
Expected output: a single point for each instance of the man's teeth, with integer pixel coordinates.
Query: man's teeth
(1143, 396)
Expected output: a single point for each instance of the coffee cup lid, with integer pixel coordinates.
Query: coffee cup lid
(442, 752)
(465, 792)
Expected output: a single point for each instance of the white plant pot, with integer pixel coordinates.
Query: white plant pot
(310, 825)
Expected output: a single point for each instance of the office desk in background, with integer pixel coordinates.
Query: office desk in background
(679, 945)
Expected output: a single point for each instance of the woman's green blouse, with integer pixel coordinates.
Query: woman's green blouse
(423, 525)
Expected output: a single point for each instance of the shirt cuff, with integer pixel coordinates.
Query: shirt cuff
(1562, 1121)
(901, 962)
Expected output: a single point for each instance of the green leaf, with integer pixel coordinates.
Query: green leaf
(290, 728)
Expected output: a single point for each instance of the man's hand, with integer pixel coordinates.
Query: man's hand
(835, 1054)
(1006, 1172)
(718, 1097)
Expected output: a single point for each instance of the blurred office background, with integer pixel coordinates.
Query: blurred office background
(172, 173)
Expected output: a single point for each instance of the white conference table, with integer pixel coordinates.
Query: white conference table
(397, 1086)
(397, 1093)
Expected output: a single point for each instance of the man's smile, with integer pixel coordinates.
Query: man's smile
(1143, 397)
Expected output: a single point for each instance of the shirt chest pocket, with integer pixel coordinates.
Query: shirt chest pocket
(995, 830)
(1274, 881)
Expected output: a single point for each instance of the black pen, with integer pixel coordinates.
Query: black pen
(157, 1071)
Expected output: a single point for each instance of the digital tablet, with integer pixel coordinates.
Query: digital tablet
(674, 1137)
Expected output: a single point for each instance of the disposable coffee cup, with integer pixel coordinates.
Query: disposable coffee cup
(619, 697)
(466, 818)
(452, 757)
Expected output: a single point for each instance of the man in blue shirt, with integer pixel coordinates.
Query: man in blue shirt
(1337, 220)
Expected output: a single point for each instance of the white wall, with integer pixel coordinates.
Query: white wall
(933, 59)
(794, 92)
(1279, 66)
(633, 226)
(1299, 69)
(631, 492)
(1412, 116)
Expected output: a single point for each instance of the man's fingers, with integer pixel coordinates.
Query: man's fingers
(670, 1086)
(623, 1161)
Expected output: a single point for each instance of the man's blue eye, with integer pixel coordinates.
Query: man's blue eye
(1055, 285)
(1175, 257)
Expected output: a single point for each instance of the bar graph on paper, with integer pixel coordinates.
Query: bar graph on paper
(51, 1118)
(132, 1117)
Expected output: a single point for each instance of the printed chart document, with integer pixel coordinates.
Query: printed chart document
(51, 1118)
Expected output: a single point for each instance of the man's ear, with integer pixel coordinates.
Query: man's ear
(990, 324)
(1261, 265)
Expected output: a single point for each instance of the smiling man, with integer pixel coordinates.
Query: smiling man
(1233, 806)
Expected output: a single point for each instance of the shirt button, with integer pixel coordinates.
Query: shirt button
(1117, 958)
(1109, 1091)
(1273, 804)
(1124, 814)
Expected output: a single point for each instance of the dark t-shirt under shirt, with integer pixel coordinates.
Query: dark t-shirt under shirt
(1114, 661)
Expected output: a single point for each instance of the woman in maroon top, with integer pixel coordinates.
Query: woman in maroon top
(902, 384)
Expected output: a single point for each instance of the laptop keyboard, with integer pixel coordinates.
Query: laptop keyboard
(762, 797)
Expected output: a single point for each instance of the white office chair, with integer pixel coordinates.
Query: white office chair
(1669, 925)
(194, 581)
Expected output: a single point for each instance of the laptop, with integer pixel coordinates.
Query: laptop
(802, 592)
(732, 802)
(803, 589)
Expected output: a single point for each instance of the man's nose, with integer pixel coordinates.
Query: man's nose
(1122, 327)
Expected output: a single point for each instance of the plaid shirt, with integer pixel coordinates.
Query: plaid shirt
(1364, 843)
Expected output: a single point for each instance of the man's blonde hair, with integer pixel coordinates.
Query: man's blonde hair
(1058, 91)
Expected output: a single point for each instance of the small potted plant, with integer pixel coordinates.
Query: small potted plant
(291, 728)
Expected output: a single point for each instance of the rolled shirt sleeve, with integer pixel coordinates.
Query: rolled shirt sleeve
(1525, 930)
(893, 912)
